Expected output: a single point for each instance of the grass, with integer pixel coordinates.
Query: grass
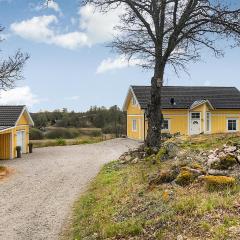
(120, 204)
(64, 142)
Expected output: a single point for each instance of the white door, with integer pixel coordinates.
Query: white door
(195, 123)
(21, 140)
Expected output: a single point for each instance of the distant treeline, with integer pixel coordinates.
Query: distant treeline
(110, 120)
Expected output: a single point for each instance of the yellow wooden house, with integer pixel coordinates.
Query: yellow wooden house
(14, 130)
(186, 110)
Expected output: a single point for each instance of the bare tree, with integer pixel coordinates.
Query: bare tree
(170, 32)
(11, 69)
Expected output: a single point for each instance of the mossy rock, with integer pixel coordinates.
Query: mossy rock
(224, 163)
(165, 177)
(215, 183)
(185, 178)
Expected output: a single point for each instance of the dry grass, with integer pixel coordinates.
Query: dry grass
(75, 141)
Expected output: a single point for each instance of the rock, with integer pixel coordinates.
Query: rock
(212, 160)
(172, 149)
(230, 149)
(128, 158)
(180, 237)
(195, 172)
(235, 231)
(217, 172)
(222, 155)
(135, 160)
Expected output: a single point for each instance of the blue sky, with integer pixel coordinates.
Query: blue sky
(70, 65)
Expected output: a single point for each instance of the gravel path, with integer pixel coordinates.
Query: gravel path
(36, 201)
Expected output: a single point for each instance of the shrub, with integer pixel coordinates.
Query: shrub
(184, 178)
(62, 133)
(224, 163)
(161, 154)
(61, 142)
(219, 182)
(35, 134)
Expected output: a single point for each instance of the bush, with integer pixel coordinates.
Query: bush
(161, 154)
(184, 178)
(219, 182)
(62, 133)
(224, 163)
(35, 134)
(61, 142)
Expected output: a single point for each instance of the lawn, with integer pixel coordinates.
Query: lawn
(121, 204)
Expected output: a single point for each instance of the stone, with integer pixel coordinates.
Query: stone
(230, 149)
(172, 149)
(135, 160)
(212, 160)
(128, 158)
(222, 155)
(216, 172)
(180, 237)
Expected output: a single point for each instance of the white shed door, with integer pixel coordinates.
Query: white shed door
(21, 140)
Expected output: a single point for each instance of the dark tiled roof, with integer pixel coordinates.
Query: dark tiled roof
(219, 97)
(9, 115)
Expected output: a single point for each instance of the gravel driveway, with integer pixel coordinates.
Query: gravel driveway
(36, 201)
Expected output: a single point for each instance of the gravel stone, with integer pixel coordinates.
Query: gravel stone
(36, 201)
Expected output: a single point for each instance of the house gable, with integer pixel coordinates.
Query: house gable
(24, 118)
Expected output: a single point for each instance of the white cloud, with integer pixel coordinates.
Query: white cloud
(94, 27)
(47, 4)
(39, 29)
(18, 96)
(71, 40)
(117, 63)
(54, 6)
(97, 25)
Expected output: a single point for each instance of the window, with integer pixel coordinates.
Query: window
(195, 115)
(165, 124)
(134, 102)
(232, 125)
(208, 121)
(134, 125)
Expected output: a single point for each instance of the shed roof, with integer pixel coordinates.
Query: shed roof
(185, 96)
(9, 116)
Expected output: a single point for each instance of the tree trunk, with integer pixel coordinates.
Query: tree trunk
(154, 112)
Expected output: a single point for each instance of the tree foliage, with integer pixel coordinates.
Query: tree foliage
(109, 120)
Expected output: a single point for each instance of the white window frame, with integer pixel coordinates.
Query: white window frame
(210, 120)
(233, 119)
(134, 123)
(166, 129)
(134, 101)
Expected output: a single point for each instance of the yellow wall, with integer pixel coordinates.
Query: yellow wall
(5, 145)
(179, 120)
(9, 138)
(134, 112)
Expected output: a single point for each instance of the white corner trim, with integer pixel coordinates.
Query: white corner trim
(130, 90)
